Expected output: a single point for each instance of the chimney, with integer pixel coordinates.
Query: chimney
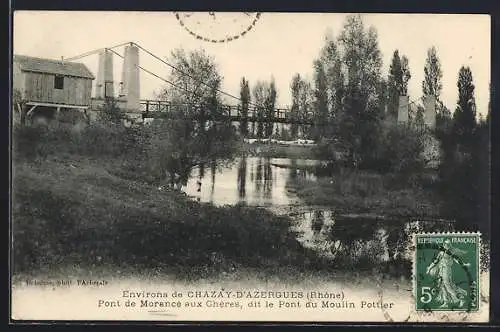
(430, 111)
(403, 105)
(130, 78)
(104, 82)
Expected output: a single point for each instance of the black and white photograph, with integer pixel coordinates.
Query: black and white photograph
(250, 166)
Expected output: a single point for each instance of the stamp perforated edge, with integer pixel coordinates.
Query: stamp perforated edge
(414, 267)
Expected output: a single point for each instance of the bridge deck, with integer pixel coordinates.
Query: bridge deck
(158, 109)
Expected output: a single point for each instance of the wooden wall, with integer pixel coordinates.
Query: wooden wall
(18, 79)
(40, 88)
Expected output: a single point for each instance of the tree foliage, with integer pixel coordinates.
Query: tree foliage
(302, 104)
(330, 58)
(269, 104)
(431, 85)
(321, 116)
(195, 135)
(362, 58)
(406, 75)
(245, 101)
(464, 117)
(259, 93)
(464, 169)
(399, 76)
(394, 82)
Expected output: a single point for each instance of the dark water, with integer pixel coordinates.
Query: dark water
(345, 239)
(254, 181)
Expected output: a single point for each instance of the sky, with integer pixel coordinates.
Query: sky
(279, 45)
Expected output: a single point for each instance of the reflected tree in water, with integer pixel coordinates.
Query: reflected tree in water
(356, 239)
(242, 172)
(268, 177)
(258, 176)
(293, 169)
(213, 171)
(318, 221)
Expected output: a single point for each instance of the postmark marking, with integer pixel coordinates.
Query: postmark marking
(214, 27)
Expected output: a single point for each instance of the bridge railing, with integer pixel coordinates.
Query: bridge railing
(155, 107)
(148, 105)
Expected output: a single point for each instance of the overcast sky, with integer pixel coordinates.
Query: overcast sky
(280, 44)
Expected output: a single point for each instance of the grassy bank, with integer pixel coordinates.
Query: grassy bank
(278, 151)
(89, 200)
(76, 211)
(363, 192)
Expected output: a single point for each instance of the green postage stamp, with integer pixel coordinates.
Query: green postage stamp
(446, 271)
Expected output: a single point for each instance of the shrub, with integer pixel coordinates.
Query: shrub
(400, 149)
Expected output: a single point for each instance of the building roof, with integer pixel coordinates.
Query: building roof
(49, 66)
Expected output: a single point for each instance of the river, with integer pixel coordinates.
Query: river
(348, 240)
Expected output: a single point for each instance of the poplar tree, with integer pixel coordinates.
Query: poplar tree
(464, 118)
(321, 116)
(245, 101)
(431, 85)
(363, 62)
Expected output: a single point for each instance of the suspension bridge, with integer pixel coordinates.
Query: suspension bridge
(128, 96)
(58, 85)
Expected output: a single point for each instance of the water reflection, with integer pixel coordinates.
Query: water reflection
(256, 181)
(361, 242)
(348, 242)
(242, 178)
(318, 221)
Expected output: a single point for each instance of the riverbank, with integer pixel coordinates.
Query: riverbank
(274, 150)
(367, 193)
(77, 211)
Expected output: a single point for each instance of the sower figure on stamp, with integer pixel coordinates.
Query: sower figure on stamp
(448, 293)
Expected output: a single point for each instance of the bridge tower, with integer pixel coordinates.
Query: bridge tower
(403, 106)
(130, 85)
(104, 82)
(430, 111)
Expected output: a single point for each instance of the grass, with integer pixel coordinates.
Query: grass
(278, 151)
(81, 203)
(70, 211)
(363, 192)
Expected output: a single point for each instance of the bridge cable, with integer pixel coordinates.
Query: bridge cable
(164, 79)
(155, 75)
(83, 55)
(158, 58)
(151, 73)
(188, 75)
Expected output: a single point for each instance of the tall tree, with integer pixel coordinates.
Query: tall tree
(362, 57)
(264, 96)
(464, 169)
(198, 75)
(270, 103)
(245, 101)
(295, 86)
(332, 64)
(431, 85)
(399, 76)
(259, 92)
(394, 81)
(187, 140)
(302, 104)
(406, 75)
(321, 116)
(338, 79)
(464, 118)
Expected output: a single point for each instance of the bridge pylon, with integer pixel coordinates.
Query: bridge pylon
(130, 83)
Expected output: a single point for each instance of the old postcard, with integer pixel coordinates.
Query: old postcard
(212, 166)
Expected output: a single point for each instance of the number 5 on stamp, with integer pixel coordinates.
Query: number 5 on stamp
(446, 271)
